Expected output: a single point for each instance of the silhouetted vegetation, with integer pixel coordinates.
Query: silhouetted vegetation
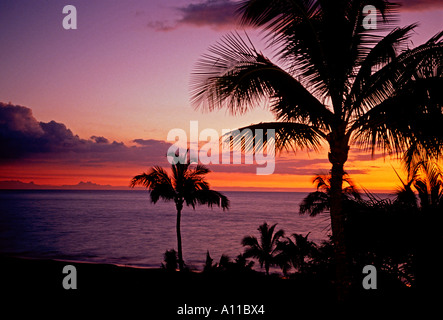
(400, 235)
(320, 200)
(332, 82)
(387, 233)
(266, 251)
(171, 260)
(296, 253)
(187, 185)
(239, 265)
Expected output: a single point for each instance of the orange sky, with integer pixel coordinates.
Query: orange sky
(373, 174)
(123, 75)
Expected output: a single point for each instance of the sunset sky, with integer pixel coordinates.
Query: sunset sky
(97, 103)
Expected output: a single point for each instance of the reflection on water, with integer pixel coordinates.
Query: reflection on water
(123, 227)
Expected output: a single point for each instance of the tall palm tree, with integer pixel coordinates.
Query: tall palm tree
(187, 185)
(333, 82)
(267, 250)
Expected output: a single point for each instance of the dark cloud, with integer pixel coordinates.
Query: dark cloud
(218, 14)
(215, 13)
(420, 5)
(99, 139)
(222, 14)
(147, 142)
(287, 166)
(23, 137)
(283, 165)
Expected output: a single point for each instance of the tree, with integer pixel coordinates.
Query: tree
(427, 179)
(296, 252)
(319, 201)
(209, 266)
(186, 186)
(333, 83)
(266, 251)
(171, 261)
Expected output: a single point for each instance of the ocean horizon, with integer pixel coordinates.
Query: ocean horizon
(123, 227)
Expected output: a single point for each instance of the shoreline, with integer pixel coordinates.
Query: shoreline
(70, 261)
(39, 281)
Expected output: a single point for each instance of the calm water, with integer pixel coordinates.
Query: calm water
(123, 227)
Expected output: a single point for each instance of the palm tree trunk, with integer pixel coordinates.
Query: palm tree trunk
(338, 156)
(179, 206)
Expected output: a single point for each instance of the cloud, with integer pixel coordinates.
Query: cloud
(420, 5)
(222, 14)
(147, 143)
(361, 155)
(24, 140)
(162, 25)
(23, 137)
(217, 14)
(99, 139)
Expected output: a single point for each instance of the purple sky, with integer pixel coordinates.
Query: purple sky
(124, 73)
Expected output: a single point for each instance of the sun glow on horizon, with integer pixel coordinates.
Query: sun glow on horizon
(112, 89)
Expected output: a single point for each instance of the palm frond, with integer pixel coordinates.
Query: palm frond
(315, 203)
(304, 34)
(237, 76)
(424, 61)
(207, 197)
(277, 235)
(319, 201)
(404, 104)
(158, 182)
(287, 136)
(199, 171)
(322, 183)
(383, 52)
(250, 241)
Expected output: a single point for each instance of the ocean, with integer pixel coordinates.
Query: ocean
(125, 228)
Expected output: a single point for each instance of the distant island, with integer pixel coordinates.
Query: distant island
(17, 184)
(20, 185)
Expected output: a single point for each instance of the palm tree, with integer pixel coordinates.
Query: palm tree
(427, 179)
(267, 251)
(319, 201)
(333, 82)
(171, 261)
(298, 250)
(186, 186)
(430, 186)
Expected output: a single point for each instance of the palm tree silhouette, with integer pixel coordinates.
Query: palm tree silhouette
(333, 82)
(266, 251)
(186, 186)
(298, 250)
(427, 179)
(319, 201)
